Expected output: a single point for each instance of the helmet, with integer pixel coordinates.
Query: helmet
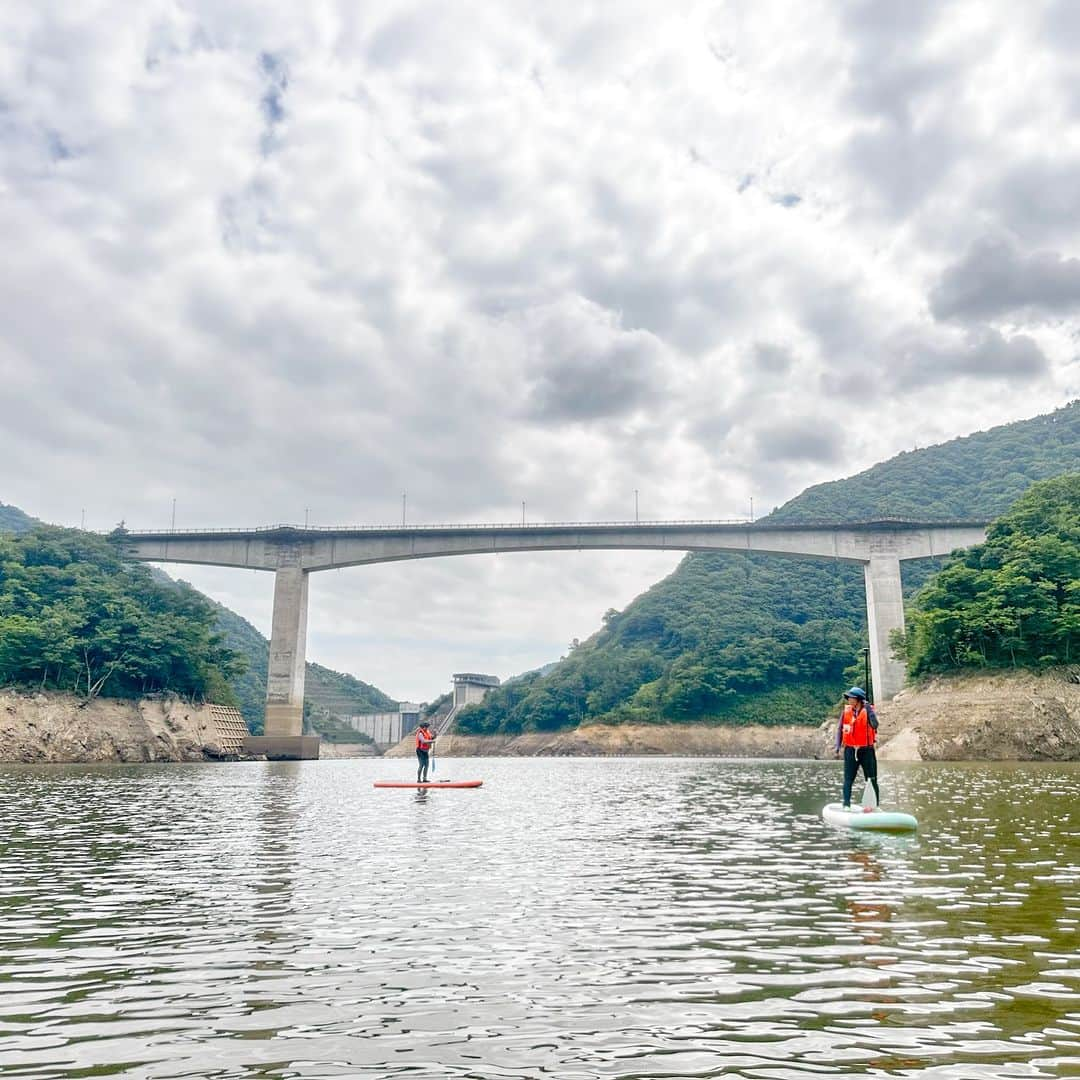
(856, 692)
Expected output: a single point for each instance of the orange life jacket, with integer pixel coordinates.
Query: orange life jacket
(424, 738)
(855, 726)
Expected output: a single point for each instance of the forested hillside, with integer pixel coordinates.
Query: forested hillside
(731, 638)
(12, 519)
(246, 681)
(1013, 601)
(979, 475)
(75, 616)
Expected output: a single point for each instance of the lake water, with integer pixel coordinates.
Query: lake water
(573, 918)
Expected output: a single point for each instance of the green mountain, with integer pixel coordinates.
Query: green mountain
(730, 638)
(980, 475)
(12, 519)
(327, 693)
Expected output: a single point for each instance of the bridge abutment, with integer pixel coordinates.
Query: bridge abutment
(884, 613)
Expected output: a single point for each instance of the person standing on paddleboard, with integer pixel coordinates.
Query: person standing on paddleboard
(857, 733)
(425, 740)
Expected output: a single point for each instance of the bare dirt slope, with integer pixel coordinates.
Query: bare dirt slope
(65, 728)
(1003, 716)
(601, 740)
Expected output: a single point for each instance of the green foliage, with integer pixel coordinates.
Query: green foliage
(441, 702)
(730, 638)
(75, 616)
(701, 646)
(1013, 601)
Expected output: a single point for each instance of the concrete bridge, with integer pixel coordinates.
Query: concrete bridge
(293, 553)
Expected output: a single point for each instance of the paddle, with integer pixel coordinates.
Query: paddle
(869, 800)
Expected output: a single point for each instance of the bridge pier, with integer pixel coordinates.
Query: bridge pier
(884, 613)
(284, 723)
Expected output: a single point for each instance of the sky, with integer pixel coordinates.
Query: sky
(283, 262)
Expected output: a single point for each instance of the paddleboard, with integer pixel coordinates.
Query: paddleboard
(431, 784)
(869, 818)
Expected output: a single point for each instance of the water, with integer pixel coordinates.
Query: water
(571, 919)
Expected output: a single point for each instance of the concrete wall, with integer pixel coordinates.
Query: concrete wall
(382, 727)
(386, 728)
(469, 693)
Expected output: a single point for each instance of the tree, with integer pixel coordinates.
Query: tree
(75, 616)
(1012, 601)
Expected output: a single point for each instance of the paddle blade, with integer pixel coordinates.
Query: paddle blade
(869, 799)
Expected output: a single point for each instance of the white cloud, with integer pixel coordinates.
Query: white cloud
(270, 259)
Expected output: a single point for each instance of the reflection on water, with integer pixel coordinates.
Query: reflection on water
(570, 919)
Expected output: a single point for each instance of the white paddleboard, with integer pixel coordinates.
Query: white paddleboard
(869, 817)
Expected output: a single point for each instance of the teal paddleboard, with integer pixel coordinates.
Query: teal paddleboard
(870, 819)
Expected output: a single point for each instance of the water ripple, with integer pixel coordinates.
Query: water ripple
(571, 919)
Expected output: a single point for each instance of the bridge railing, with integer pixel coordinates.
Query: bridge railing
(534, 525)
(434, 526)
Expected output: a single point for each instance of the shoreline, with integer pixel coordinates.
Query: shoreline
(636, 740)
(1000, 716)
(972, 716)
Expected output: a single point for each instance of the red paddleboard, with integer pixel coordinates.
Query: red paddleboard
(431, 784)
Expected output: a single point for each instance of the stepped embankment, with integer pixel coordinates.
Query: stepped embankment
(64, 728)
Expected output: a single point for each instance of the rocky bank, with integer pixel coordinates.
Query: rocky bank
(329, 751)
(1004, 716)
(65, 728)
(632, 740)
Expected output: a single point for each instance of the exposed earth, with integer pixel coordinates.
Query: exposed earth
(1003, 716)
(57, 728)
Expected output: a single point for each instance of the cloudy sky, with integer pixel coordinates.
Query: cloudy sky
(273, 259)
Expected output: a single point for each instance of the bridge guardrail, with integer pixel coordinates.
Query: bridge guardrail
(535, 525)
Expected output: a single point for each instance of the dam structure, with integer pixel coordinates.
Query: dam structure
(291, 553)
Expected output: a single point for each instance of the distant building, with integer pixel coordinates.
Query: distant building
(469, 688)
(387, 728)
